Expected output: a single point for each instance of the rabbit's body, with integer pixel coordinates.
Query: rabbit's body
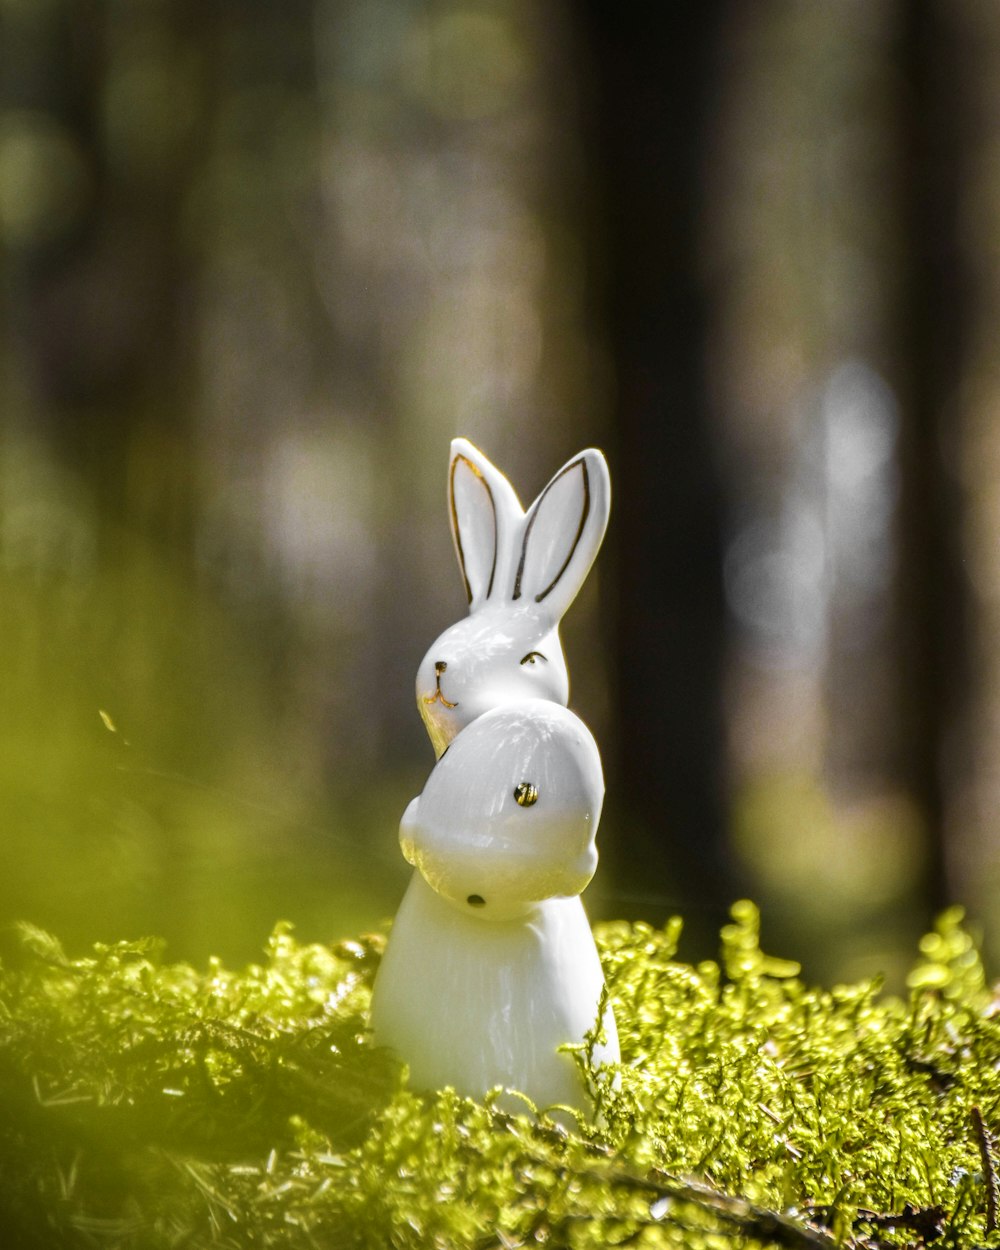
(491, 966)
(474, 1003)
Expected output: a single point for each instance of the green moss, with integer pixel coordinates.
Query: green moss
(149, 1105)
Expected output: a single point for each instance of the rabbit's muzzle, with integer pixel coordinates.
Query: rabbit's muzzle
(438, 695)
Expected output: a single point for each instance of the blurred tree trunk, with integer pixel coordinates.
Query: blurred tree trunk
(933, 317)
(101, 293)
(653, 82)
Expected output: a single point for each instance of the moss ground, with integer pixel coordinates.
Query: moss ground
(152, 1105)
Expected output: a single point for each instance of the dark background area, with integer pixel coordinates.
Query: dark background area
(261, 262)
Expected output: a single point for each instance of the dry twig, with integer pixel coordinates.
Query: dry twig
(985, 1141)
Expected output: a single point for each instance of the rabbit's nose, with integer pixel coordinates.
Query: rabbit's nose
(440, 667)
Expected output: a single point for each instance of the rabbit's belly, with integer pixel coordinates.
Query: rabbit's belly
(474, 1004)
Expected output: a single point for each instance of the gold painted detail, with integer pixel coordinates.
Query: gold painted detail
(526, 794)
(457, 531)
(580, 464)
(438, 697)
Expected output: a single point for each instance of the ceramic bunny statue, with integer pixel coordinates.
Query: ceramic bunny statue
(491, 966)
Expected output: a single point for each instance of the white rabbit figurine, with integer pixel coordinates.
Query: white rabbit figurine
(491, 966)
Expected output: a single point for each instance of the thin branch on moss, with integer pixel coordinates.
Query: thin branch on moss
(751, 1220)
(985, 1143)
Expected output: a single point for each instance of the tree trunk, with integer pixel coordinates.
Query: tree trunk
(933, 315)
(652, 88)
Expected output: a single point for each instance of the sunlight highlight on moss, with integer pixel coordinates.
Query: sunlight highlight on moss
(152, 1105)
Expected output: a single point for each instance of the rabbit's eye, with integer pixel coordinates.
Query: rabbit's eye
(532, 656)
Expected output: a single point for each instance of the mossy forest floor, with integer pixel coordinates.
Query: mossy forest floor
(153, 1105)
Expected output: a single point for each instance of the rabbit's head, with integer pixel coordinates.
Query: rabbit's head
(521, 570)
(508, 817)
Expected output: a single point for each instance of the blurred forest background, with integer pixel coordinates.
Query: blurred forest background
(261, 261)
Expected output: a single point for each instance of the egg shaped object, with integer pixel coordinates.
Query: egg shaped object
(509, 815)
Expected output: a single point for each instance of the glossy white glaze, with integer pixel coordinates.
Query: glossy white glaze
(521, 570)
(498, 654)
(471, 838)
(491, 966)
(474, 1005)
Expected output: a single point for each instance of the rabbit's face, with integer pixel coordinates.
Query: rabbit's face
(508, 817)
(494, 657)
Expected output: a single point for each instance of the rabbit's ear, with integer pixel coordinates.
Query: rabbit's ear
(563, 532)
(484, 511)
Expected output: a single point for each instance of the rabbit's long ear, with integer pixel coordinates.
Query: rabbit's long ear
(563, 532)
(485, 512)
